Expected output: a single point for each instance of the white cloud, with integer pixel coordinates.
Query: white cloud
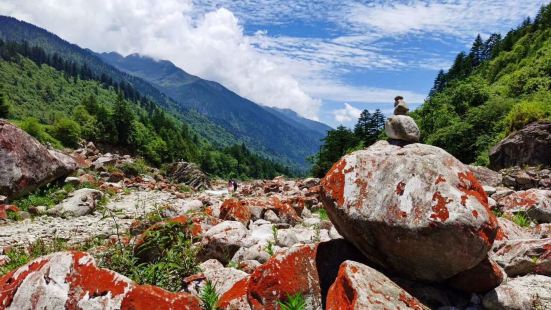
(462, 18)
(347, 114)
(211, 46)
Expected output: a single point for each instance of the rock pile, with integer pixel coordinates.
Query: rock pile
(401, 128)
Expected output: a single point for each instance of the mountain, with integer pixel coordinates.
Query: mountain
(271, 131)
(217, 114)
(499, 86)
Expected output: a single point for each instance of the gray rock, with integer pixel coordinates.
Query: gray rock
(486, 176)
(222, 278)
(529, 146)
(189, 174)
(271, 216)
(79, 203)
(522, 293)
(524, 256)
(223, 240)
(402, 127)
(72, 180)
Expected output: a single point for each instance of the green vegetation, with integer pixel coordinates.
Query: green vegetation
(323, 214)
(47, 196)
(521, 219)
(293, 302)
(174, 258)
(61, 102)
(209, 297)
(342, 140)
(19, 257)
(501, 85)
(269, 248)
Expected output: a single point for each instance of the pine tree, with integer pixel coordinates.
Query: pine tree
(477, 51)
(123, 118)
(362, 126)
(491, 46)
(4, 106)
(439, 83)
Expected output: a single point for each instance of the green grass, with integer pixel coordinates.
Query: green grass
(269, 248)
(322, 214)
(293, 302)
(521, 219)
(209, 297)
(19, 257)
(175, 258)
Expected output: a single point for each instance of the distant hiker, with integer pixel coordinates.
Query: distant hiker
(230, 186)
(234, 185)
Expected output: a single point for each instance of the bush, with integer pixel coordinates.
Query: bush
(294, 302)
(67, 131)
(522, 114)
(33, 127)
(135, 168)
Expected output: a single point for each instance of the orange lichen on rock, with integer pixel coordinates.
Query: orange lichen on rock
(235, 210)
(440, 210)
(333, 182)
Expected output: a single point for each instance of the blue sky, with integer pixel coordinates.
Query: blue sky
(327, 60)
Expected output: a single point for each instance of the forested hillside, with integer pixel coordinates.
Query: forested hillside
(61, 102)
(499, 86)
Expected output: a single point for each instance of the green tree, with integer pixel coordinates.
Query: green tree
(4, 106)
(123, 118)
(67, 131)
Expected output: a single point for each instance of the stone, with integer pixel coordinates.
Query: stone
(524, 256)
(530, 145)
(234, 210)
(535, 202)
(271, 217)
(402, 127)
(189, 174)
(25, 164)
(486, 176)
(542, 231)
(71, 280)
(72, 180)
(223, 240)
(359, 287)
(509, 230)
(102, 161)
(528, 292)
(433, 225)
(80, 202)
(400, 106)
(479, 279)
(222, 278)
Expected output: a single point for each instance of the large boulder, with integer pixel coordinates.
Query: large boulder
(402, 127)
(71, 280)
(25, 164)
(529, 146)
(189, 174)
(416, 209)
(486, 176)
(359, 287)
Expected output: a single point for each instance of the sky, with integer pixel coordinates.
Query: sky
(326, 60)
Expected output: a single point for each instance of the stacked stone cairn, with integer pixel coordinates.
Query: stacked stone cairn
(401, 128)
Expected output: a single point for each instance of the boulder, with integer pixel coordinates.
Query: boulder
(535, 202)
(359, 287)
(305, 269)
(4, 210)
(434, 224)
(509, 230)
(486, 176)
(479, 279)
(524, 256)
(402, 127)
(71, 280)
(223, 240)
(235, 210)
(189, 174)
(528, 292)
(25, 164)
(80, 202)
(529, 146)
(222, 278)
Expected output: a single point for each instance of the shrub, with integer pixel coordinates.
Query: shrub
(33, 127)
(135, 168)
(523, 114)
(67, 131)
(19, 257)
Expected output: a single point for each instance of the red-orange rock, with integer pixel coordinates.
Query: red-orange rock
(235, 210)
(535, 202)
(71, 280)
(359, 287)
